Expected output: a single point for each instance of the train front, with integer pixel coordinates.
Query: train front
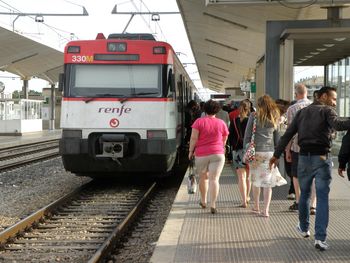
(118, 109)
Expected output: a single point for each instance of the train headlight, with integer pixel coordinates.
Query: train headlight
(159, 50)
(157, 134)
(116, 47)
(73, 49)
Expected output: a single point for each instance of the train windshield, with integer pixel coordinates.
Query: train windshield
(115, 80)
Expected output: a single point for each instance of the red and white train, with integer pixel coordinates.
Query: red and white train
(123, 106)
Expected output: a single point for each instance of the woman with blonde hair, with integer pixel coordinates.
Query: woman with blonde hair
(266, 122)
(237, 129)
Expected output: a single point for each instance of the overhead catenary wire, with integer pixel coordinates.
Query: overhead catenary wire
(52, 28)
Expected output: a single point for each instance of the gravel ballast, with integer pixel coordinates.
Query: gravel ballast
(28, 188)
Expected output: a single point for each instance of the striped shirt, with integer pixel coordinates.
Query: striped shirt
(291, 112)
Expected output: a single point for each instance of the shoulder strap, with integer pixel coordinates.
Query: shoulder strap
(254, 128)
(239, 137)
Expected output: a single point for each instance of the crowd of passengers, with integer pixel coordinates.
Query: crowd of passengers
(252, 139)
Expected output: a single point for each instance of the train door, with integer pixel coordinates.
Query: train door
(180, 110)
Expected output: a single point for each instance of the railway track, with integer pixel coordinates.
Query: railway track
(80, 227)
(20, 155)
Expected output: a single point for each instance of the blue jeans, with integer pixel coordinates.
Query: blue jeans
(320, 168)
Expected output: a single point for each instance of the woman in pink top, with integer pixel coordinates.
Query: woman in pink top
(208, 140)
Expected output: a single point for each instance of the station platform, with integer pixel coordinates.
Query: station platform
(31, 137)
(193, 234)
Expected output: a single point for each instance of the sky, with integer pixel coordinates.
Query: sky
(56, 31)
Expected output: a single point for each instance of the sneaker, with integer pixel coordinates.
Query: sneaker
(294, 207)
(291, 196)
(321, 245)
(301, 232)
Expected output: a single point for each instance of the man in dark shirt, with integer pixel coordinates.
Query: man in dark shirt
(314, 125)
(344, 155)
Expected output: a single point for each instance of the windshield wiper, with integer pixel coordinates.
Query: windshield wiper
(144, 93)
(104, 95)
(137, 94)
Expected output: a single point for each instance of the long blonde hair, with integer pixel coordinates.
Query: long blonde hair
(267, 111)
(244, 109)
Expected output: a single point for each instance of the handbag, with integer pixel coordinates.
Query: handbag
(277, 178)
(191, 179)
(249, 153)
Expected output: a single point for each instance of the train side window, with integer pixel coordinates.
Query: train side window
(61, 81)
(171, 84)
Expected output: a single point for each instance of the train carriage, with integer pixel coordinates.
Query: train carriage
(123, 106)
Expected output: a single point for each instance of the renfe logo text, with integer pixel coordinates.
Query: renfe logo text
(118, 110)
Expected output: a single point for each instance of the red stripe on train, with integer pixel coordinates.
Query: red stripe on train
(117, 99)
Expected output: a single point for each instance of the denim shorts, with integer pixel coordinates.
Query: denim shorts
(237, 159)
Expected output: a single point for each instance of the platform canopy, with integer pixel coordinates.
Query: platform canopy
(228, 36)
(26, 58)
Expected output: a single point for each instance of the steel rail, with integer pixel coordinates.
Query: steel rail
(121, 228)
(27, 222)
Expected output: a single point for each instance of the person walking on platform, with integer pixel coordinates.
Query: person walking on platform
(266, 121)
(314, 125)
(192, 112)
(344, 155)
(283, 106)
(237, 130)
(207, 143)
(292, 150)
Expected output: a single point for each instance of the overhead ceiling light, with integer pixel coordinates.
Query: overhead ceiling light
(321, 49)
(328, 45)
(221, 44)
(211, 65)
(210, 77)
(302, 59)
(216, 74)
(339, 39)
(314, 53)
(218, 84)
(225, 20)
(222, 59)
(308, 56)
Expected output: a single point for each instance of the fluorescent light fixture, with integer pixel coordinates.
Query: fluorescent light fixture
(211, 65)
(302, 59)
(314, 53)
(213, 82)
(222, 59)
(308, 56)
(216, 74)
(321, 49)
(225, 20)
(328, 45)
(221, 44)
(339, 39)
(210, 77)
